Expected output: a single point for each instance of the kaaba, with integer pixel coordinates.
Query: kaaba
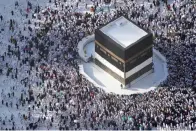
(124, 50)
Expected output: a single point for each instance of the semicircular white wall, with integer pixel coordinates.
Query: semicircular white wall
(81, 46)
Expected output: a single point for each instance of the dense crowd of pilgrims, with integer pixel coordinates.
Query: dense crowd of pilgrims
(54, 95)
